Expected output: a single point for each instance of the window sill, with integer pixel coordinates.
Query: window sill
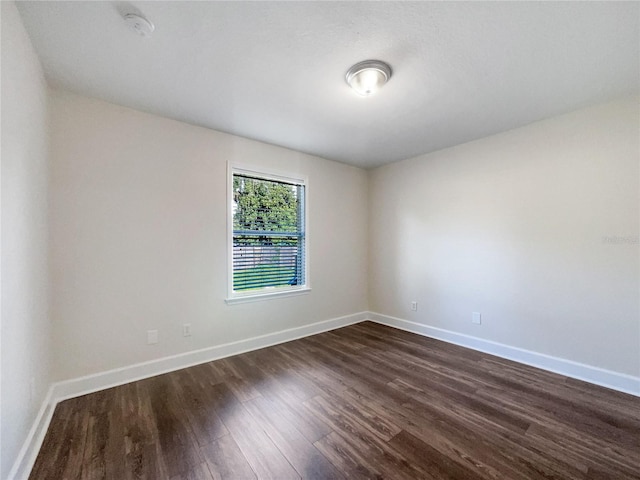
(266, 296)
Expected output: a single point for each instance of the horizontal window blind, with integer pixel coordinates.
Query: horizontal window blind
(268, 234)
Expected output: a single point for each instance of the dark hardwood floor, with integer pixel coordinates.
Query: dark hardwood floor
(365, 401)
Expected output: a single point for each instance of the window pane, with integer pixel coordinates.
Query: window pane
(268, 235)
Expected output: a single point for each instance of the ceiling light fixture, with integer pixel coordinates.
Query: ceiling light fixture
(139, 24)
(367, 77)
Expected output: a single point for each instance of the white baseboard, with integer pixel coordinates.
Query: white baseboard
(31, 446)
(92, 383)
(599, 376)
(119, 376)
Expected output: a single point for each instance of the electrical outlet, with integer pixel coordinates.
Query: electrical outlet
(476, 318)
(186, 330)
(152, 337)
(414, 306)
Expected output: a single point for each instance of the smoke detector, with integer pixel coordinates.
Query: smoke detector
(139, 24)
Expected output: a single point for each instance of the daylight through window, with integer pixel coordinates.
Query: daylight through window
(268, 234)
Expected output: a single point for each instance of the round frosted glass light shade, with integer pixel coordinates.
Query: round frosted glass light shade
(367, 77)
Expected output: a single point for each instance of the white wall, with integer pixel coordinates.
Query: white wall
(25, 330)
(139, 239)
(512, 226)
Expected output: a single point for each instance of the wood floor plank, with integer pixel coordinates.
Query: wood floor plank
(199, 407)
(94, 462)
(243, 389)
(443, 434)
(346, 417)
(303, 456)
(582, 418)
(625, 463)
(323, 378)
(351, 365)
(591, 449)
(468, 447)
(493, 451)
(179, 447)
(292, 409)
(370, 455)
(436, 464)
(270, 360)
(225, 460)
(104, 426)
(316, 370)
(465, 408)
(143, 454)
(261, 453)
(352, 463)
(364, 401)
(62, 450)
(198, 472)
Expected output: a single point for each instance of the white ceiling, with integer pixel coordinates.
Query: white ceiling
(274, 71)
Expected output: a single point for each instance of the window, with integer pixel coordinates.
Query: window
(267, 235)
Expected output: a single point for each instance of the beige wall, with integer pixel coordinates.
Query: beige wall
(139, 237)
(25, 331)
(512, 226)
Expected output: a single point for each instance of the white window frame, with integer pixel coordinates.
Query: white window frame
(234, 297)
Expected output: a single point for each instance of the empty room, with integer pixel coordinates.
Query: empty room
(320, 240)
